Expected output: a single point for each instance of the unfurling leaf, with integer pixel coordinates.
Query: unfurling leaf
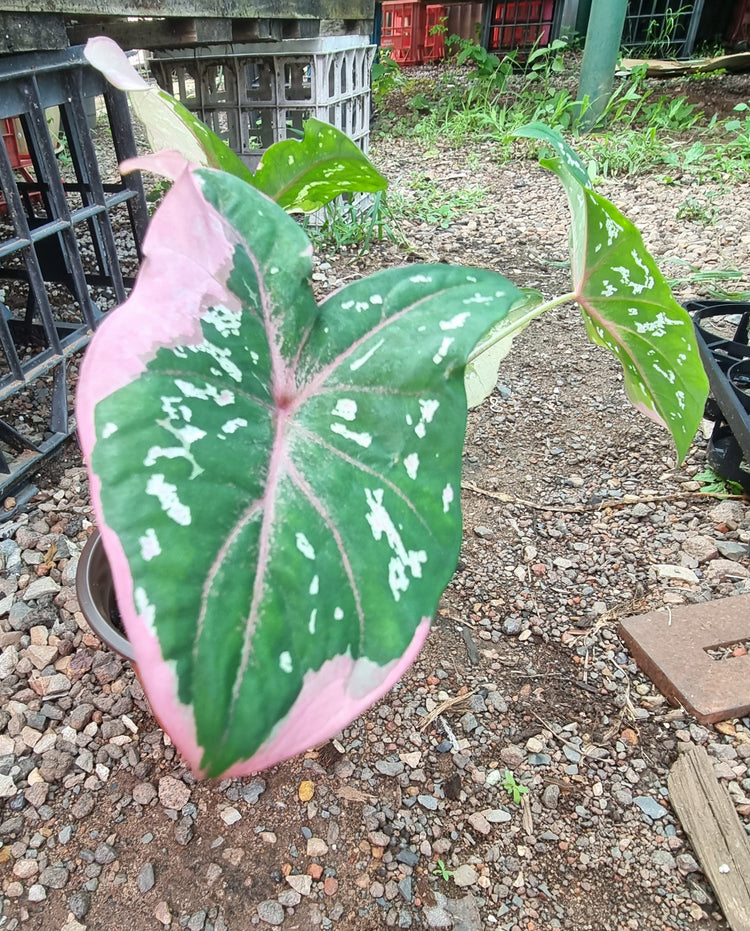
(304, 175)
(276, 482)
(300, 175)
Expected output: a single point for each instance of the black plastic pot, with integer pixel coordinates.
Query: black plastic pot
(96, 596)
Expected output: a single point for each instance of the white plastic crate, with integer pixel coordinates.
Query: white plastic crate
(255, 95)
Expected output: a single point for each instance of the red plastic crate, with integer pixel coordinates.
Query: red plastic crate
(15, 143)
(18, 152)
(433, 48)
(403, 31)
(521, 25)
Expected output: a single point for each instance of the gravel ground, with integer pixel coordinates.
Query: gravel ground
(404, 821)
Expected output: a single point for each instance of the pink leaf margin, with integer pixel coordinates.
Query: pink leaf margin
(187, 256)
(106, 56)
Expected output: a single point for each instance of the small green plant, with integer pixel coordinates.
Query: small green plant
(514, 789)
(346, 224)
(710, 282)
(694, 211)
(442, 871)
(715, 484)
(427, 202)
(386, 76)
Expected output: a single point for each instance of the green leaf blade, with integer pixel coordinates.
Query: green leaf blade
(304, 175)
(629, 309)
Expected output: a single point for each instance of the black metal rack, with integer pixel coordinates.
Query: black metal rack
(662, 28)
(59, 258)
(722, 331)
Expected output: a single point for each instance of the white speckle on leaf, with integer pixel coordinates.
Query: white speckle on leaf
(428, 408)
(361, 305)
(376, 299)
(361, 439)
(420, 279)
(346, 409)
(447, 498)
(478, 298)
(613, 230)
(304, 546)
(209, 393)
(669, 375)
(411, 464)
(338, 614)
(358, 363)
(443, 351)
(108, 430)
(232, 426)
(456, 322)
(311, 622)
(403, 560)
(222, 357)
(347, 305)
(146, 611)
(637, 287)
(225, 321)
(166, 494)
(285, 662)
(680, 396)
(657, 326)
(185, 436)
(149, 544)
(273, 271)
(314, 585)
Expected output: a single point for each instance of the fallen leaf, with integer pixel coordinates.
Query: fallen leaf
(306, 790)
(726, 727)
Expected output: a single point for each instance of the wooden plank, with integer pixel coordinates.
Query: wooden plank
(229, 9)
(20, 32)
(710, 821)
(142, 33)
(659, 68)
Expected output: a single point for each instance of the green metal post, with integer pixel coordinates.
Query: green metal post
(600, 53)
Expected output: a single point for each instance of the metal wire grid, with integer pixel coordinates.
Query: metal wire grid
(47, 220)
(667, 28)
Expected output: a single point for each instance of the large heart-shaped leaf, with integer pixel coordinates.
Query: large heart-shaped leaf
(303, 175)
(277, 483)
(627, 305)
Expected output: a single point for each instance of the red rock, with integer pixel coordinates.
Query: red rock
(315, 870)
(330, 885)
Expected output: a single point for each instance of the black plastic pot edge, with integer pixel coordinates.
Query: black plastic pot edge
(96, 596)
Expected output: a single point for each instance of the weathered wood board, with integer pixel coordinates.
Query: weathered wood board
(708, 816)
(223, 9)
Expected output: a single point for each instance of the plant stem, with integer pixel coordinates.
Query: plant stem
(521, 322)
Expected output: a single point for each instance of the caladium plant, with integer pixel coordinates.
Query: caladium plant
(277, 482)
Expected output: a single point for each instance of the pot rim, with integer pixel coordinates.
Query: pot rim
(94, 586)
